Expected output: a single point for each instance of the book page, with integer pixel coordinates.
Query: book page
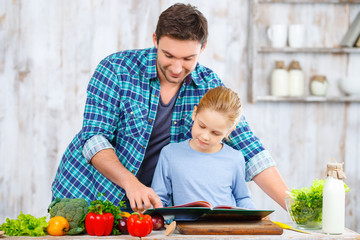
(194, 204)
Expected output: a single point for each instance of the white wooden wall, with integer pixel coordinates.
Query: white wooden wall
(49, 50)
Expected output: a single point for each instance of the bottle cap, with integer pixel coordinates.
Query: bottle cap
(294, 65)
(319, 78)
(335, 170)
(279, 64)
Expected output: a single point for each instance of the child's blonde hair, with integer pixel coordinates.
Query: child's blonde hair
(224, 100)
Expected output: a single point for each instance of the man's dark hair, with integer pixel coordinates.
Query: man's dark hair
(183, 22)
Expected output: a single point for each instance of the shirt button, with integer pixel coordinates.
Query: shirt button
(143, 146)
(155, 95)
(175, 122)
(132, 113)
(133, 171)
(150, 120)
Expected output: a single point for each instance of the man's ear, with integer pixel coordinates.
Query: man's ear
(155, 40)
(194, 113)
(203, 47)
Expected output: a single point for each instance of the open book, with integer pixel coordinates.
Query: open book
(204, 204)
(202, 210)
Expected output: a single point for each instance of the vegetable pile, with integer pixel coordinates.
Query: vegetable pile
(75, 216)
(307, 202)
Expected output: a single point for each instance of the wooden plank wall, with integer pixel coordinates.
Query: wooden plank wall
(49, 49)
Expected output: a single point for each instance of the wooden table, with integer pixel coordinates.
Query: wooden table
(161, 235)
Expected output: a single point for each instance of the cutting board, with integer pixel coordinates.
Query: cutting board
(261, 227)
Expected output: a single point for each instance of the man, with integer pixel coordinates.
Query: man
(139, 101)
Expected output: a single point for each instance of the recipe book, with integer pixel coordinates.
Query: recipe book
(202, 210)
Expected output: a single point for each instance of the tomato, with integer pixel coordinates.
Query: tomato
(139, 225)
(58, 226)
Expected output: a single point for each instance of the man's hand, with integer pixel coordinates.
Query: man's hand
(141, 197)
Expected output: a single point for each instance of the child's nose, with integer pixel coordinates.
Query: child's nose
(206, 136)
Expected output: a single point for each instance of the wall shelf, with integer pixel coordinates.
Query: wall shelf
(335, 62)
(311, 1)
(308, 50)
(308, 99)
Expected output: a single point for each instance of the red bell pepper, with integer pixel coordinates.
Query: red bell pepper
(139, 225)
(99, 223)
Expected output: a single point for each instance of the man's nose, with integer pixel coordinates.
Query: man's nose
(176, 67)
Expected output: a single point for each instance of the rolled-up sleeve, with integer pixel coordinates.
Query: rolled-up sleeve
(94, 145)
(258, 163)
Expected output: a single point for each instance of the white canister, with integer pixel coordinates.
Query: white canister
(318, 85)
(296, 80)
(279, 80)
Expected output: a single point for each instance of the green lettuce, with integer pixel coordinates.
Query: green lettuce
(25, 225)
(307, 202)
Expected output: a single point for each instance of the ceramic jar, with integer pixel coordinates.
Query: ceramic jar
(279, 80)
(318, 85)
(296, 80)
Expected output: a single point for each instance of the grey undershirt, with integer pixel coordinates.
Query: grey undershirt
(160, 137)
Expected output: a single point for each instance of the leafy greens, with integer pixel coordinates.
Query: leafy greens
(306, 206)
(25, 225)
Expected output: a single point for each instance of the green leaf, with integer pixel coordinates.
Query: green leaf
(25, 225)
(307, 205)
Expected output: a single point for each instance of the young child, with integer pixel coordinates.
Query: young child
(204, 168)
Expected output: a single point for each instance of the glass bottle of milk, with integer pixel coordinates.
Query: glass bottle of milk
(279, 80)
(296, 80)
(333, 214)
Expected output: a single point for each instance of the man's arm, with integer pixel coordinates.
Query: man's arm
(140, 196)
(271, 182)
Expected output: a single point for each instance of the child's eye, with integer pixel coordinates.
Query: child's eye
(201, 126)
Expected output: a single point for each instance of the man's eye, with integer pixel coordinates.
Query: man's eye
(188, 59)
(168, 56)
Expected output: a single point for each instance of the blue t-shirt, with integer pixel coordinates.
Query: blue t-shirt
(188, 175)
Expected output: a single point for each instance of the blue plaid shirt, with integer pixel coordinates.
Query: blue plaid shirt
(122, 99)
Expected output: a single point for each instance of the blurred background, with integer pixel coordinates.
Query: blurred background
(49, 50)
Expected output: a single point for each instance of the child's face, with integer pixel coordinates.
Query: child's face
(209, 128)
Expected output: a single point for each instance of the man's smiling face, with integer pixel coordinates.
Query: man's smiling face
(176, 59)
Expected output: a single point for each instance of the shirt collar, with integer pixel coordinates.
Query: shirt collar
(194, 76)
(151, 72)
